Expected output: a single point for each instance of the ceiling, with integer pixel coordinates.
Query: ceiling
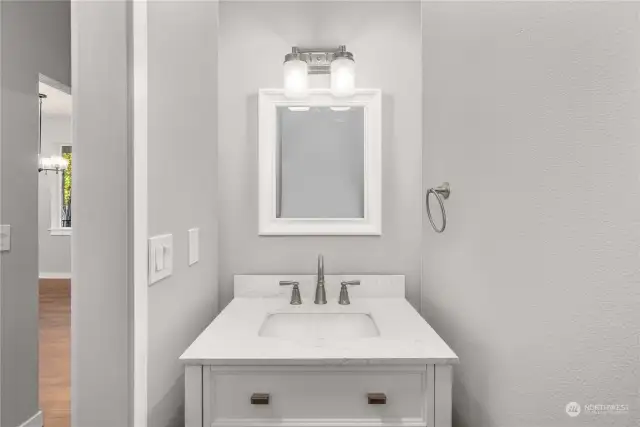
(57, 102)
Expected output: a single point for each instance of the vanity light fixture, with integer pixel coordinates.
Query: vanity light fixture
(304, 61)
(343, 73)
(296, 82)
(52, 163)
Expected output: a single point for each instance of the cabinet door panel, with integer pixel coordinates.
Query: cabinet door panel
(321, 397)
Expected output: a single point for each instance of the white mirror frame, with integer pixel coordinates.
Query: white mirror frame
(268, 102)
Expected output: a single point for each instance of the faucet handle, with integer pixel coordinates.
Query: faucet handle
(295, 292)
(350, 282)
(288, 283)
(344, 292)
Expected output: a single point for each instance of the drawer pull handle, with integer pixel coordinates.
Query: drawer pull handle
(260, 399)
(377, 398)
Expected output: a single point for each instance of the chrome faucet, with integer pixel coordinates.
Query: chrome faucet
(321, 295)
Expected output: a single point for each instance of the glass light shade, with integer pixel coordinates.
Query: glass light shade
(343, 77)
(296, 80)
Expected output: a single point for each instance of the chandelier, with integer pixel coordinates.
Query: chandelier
(48, 163)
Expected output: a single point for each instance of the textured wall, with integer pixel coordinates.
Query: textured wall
(254, 37)
(531, 112)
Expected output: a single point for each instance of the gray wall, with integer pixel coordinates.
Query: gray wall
(101, 298)
(253, 40)
(182, 188)
(531, 112)
(34, 39)
(54, 251)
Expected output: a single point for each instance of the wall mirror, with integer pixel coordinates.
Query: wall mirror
(320, 163)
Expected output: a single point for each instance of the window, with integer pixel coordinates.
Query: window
(61, 199)
(65, 208)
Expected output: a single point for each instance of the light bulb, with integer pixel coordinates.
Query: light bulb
(343, 76)
(296, 81)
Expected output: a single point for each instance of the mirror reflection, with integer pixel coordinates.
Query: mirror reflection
(320, 162)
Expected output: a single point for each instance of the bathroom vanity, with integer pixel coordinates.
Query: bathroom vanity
(264, 362)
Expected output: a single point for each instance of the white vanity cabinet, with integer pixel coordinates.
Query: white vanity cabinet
(264, 362)
(318, 396)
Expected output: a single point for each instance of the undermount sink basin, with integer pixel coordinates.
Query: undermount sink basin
(319, 325)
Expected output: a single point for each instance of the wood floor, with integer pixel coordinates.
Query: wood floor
(55, 351)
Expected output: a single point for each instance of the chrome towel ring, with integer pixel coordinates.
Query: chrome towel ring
(439, 192)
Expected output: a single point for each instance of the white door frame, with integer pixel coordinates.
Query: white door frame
(118, 31)
(140, 212)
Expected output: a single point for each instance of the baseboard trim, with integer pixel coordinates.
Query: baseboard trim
(35, 421)
(55, 275)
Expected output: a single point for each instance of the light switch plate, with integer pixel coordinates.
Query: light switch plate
(160, 257)
(194, 245)
(5, 238)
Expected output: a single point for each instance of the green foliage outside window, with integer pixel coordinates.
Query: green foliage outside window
(66, 187)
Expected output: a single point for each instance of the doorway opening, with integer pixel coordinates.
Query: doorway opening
(55, 224)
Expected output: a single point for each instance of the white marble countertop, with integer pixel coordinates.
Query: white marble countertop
(233, 337)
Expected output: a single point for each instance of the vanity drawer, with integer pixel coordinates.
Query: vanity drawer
(295, 396)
